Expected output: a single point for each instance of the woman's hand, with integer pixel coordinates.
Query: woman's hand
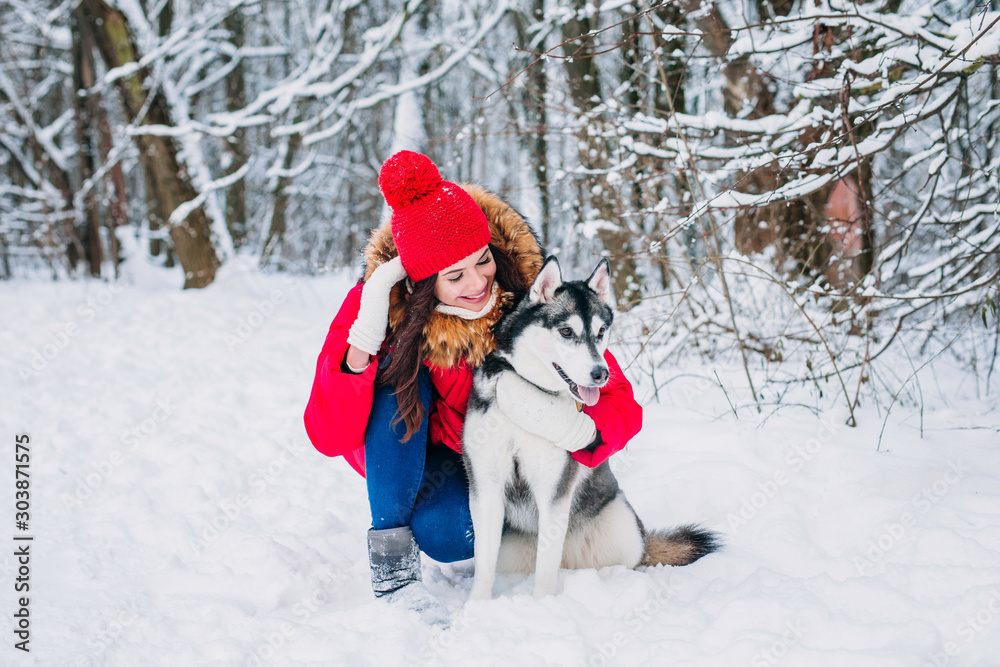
(554, 417)
(357, 359)
(368, 330)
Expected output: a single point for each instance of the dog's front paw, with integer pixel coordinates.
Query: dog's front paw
(481, 591)
(545, 588)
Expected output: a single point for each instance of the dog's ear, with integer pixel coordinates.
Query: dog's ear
(546, 282)
(600, 282)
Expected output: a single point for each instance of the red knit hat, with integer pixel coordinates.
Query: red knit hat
(435, 223)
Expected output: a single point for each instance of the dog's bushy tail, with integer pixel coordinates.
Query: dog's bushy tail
(679, 546)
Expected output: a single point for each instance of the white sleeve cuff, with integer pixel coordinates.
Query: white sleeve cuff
(357, 371)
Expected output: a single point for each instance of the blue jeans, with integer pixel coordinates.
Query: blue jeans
(416, 484)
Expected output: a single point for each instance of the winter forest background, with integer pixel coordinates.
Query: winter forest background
(804, 185)
(801, 204)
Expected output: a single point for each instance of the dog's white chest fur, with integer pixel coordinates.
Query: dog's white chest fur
(526, 466)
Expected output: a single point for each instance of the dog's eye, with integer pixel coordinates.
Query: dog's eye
(566, 332)
(601, 331)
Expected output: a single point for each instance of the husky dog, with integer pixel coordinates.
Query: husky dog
(534, 507)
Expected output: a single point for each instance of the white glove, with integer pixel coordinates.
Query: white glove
(368, 330)
(551, 416)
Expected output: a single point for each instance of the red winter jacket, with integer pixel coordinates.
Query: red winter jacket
(337, 413)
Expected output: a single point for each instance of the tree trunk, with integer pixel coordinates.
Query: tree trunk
(410, 124)
(795, 227)
(83, 80)
(278, 216)
(536, 116)
(669, 71)
(169, 182)
(236, 206)
(119, 197)
(156, 215)
(594, 155)
(4, 259)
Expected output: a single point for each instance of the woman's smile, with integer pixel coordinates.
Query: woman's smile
(468, 283)
(478, 299)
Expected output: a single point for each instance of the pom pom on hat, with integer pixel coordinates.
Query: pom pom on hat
(435, 223)
(406, 177)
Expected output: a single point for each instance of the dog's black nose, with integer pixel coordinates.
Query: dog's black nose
(599, 374)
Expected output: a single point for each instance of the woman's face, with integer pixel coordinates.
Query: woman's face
(468, 282)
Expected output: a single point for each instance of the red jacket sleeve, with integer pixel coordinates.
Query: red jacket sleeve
(616, 415)
(337, 413)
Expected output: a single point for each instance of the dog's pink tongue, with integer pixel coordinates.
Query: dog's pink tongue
(589, 394)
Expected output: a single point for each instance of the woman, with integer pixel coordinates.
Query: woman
(394, 375)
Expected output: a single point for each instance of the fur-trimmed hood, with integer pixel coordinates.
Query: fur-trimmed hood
(450, 340)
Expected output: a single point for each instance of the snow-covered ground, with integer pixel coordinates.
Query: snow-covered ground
(181, 516)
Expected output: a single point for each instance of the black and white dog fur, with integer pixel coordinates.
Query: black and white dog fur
(534, 507)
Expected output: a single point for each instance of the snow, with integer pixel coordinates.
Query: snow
(181, 516)
(978, 36)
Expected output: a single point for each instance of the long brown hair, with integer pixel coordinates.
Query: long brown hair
(407, 341)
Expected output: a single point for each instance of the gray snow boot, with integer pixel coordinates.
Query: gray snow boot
(395, 559)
